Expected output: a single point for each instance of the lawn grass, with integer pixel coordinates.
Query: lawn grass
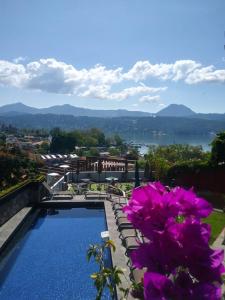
(122, 186)
(217, 222)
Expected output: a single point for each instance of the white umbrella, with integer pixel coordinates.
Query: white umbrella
(73, 156)
(53, 174)
(111, 178)
(86, 180)
(64, 166)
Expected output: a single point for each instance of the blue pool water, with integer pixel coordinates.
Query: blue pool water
(49, 261)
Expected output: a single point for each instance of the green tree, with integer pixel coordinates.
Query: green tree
(133, 153)
(92, 152)
(44, 148)
(218, 149)
(114, 151)
(147, 171)
(118, 140)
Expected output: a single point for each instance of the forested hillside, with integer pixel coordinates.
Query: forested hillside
(123, 126)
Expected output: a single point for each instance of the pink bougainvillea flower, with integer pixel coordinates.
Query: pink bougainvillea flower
(157, 185)
(206, 264)
(150, 207)
(152, 256)
(206, 291)
(203, 262)
(184, 286)
(157, 287)
(178, 246)
(190, 204)
(186, 289)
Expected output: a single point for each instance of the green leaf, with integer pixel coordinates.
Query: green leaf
(94, 276)
(110, 244)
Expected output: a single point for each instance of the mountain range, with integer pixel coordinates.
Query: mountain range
(173, 110)
(67, 109)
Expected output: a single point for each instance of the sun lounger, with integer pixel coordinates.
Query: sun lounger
(123, 223)
(124, 233)
(93, 196)
(120, 214)
(130, 243)
(117, 205)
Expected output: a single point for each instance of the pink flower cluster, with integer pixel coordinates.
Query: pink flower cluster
(180, 263)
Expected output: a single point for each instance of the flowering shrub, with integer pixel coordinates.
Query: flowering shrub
(180, 263)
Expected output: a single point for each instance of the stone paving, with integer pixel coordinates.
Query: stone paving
(220, 244)
(9, 228)
(119, 257)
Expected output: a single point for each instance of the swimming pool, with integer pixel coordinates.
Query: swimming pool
(49, 261)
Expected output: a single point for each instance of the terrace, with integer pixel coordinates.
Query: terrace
(67, 199)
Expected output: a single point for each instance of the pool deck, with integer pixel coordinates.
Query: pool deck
(119, 257)
(8, 229)
(220, 244)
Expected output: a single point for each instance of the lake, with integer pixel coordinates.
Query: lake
(195, 140)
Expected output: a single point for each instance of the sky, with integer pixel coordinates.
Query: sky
(120, 54)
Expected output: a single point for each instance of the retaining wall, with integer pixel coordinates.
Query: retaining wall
(27, 195)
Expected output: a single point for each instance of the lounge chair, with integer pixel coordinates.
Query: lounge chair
(124, 223)
(120, 214)
(128, 232)
(131, 243)
(118, 206)
(89, 195)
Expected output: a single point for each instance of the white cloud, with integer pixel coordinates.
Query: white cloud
(12, 74)
(144, 69)
(149, 99)
(52, 76)
(207, 74)
(96, 91)
(103, 92)
(177, 71)
(190, 71)
(133, 91)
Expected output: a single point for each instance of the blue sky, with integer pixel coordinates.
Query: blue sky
(133, 54)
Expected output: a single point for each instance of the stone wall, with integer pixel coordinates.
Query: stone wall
(27, 195)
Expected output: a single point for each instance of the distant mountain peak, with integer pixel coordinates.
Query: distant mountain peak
(68, 109)
(176, 110)
(18, 107)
